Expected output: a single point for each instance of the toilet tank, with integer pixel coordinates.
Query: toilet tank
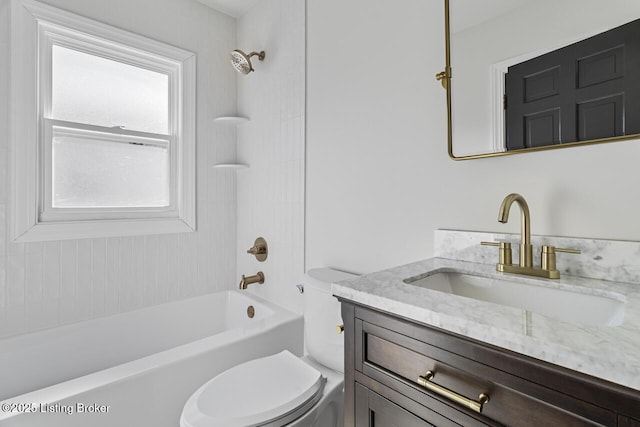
(321, 316)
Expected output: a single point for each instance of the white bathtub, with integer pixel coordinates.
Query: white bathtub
(136, 368)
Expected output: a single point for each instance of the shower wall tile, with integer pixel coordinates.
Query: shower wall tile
(271, 192)
(48, 284)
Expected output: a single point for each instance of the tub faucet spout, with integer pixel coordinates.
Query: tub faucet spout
(246, 281)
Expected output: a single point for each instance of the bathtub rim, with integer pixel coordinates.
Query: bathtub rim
(144, 365)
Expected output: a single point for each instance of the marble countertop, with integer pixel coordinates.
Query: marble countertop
(608, 352)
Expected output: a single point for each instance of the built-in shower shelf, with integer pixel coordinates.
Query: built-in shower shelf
(231, 166)
(232, 120)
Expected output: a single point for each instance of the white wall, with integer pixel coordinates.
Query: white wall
(46, 284)
(271, 192)
(379, 180)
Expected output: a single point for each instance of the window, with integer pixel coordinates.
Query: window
(103, 129)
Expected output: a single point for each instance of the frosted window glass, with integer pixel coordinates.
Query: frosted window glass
(93, 90)
(93, 172)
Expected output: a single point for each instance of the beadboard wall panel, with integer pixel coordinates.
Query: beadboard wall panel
(43, 285)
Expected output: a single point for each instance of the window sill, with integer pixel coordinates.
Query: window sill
(105, 228)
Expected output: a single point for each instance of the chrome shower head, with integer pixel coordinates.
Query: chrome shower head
(242, 62)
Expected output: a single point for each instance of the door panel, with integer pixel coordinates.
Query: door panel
(585, 91)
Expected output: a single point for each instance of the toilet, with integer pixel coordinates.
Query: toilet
(282, 389)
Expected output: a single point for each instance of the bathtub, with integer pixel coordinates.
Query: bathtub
(136, 368)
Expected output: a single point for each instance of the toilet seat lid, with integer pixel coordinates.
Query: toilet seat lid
(260, 392)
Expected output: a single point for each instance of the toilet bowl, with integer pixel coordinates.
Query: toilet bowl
(283, 389)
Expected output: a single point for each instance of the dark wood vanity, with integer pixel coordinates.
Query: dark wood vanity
(386, 382)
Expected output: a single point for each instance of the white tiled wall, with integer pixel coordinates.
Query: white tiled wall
(47, 284)
(271, 192)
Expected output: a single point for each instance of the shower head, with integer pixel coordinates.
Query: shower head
(242, 62)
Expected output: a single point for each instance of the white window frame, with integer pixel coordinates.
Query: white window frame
(35, 29)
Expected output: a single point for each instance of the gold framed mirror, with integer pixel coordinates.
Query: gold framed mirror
(486, 38)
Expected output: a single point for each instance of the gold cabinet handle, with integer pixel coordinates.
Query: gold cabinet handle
(339, 329)
(452, 395)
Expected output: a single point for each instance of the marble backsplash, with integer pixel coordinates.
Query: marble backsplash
(612, 260)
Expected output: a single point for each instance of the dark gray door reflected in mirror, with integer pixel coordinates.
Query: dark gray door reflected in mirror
(585, 91)
(486, 39)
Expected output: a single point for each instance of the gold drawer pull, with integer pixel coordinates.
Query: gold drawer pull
(452, 395)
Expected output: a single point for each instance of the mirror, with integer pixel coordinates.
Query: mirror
(486, 37)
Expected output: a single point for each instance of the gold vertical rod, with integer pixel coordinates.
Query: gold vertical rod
(447, 70)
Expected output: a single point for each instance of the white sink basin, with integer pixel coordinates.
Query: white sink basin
(569, 304)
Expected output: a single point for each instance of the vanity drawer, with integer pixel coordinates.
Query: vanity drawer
(402, 361)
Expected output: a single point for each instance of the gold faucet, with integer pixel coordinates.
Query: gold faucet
(548, 253)
(246, 281)
(526, 250)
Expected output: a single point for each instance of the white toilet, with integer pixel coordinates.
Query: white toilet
(283, 390)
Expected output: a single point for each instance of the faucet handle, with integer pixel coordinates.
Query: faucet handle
(505, 253)
(501, 245)
(552, 249)
(548, 256)
(568, 251)
(259, 249)
(498, 244)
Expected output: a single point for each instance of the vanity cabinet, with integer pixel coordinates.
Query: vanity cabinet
(402, 373)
